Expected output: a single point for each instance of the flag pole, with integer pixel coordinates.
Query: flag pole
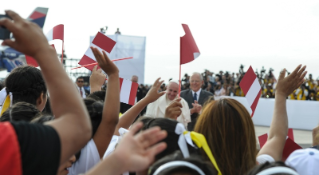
(180, 67)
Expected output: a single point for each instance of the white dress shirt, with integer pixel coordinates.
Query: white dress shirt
(198, 92)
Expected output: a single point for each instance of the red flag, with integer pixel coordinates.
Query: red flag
(189, 49)
(251, 88)
(56, 33)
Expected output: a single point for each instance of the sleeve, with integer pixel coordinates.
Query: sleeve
(40, 148)
(265, 158)
(186, 115)
(150, 110)
(89, 158)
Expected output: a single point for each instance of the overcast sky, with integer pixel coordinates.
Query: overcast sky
(277, 34)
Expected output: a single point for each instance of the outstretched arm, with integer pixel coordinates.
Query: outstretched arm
(110, 116)
(129, 116)
(279, 125)
(66, 104)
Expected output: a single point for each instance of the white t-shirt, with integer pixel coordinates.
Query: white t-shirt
(265, 158)
(89, 158)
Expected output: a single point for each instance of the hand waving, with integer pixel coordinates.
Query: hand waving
(28, 36)
(105, 63)
(153, 93)
(286, 85)
(137, 152)
(97, 79)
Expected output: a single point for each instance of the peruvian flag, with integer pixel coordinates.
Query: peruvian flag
(251, 88)
(290, 145)
(189, 49)
(56, 33)
(100, 41)
(128, 91)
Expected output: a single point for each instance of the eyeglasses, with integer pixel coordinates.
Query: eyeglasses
(80, 81)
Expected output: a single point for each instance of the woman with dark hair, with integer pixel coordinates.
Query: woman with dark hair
(230, 132)
(26, 84)
(20, 111)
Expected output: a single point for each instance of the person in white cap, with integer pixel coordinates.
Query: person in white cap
(304, 161)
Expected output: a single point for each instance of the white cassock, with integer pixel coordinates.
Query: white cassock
(157, 110)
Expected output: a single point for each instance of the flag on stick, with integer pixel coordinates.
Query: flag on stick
(57, 33)
(188, 50)
(128, 91)
(101, 42)
(251, 88)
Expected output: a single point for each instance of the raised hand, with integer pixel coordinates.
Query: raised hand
(153, 93)
(196, 107)
(174, 110)
(286, 85)
(97, 79)
(28, 36)
(137, 152)
(104, 62)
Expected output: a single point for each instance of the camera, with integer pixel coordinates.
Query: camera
(4, 33)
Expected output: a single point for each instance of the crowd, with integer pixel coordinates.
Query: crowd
(49, 127)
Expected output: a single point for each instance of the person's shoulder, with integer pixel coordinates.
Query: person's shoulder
(207, 93)
(185, 91)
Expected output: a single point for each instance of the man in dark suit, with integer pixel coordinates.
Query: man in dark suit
(195, 97)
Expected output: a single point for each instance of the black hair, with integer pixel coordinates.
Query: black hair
(194, 159)
(47, 108)
(98, 95)
(20, 111)
(79, 78)
(26, 84)
(257, 169)
(169, 126)
(95, 110)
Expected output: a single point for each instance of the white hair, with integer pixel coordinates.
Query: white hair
(200, 75)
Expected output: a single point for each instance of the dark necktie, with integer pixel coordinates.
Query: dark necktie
(195, 96)
(81, 92)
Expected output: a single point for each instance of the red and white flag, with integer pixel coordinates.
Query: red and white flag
(128, 91)
(56, 33)
(101, 42)
(189, 49)
(251, 88)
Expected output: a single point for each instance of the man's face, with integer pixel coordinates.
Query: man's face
(80, 82)
(134, 79)
(172, 91)
(196, 82)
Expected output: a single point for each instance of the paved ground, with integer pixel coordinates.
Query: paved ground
(302, 137)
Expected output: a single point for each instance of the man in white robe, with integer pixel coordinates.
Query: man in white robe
(158, 107)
